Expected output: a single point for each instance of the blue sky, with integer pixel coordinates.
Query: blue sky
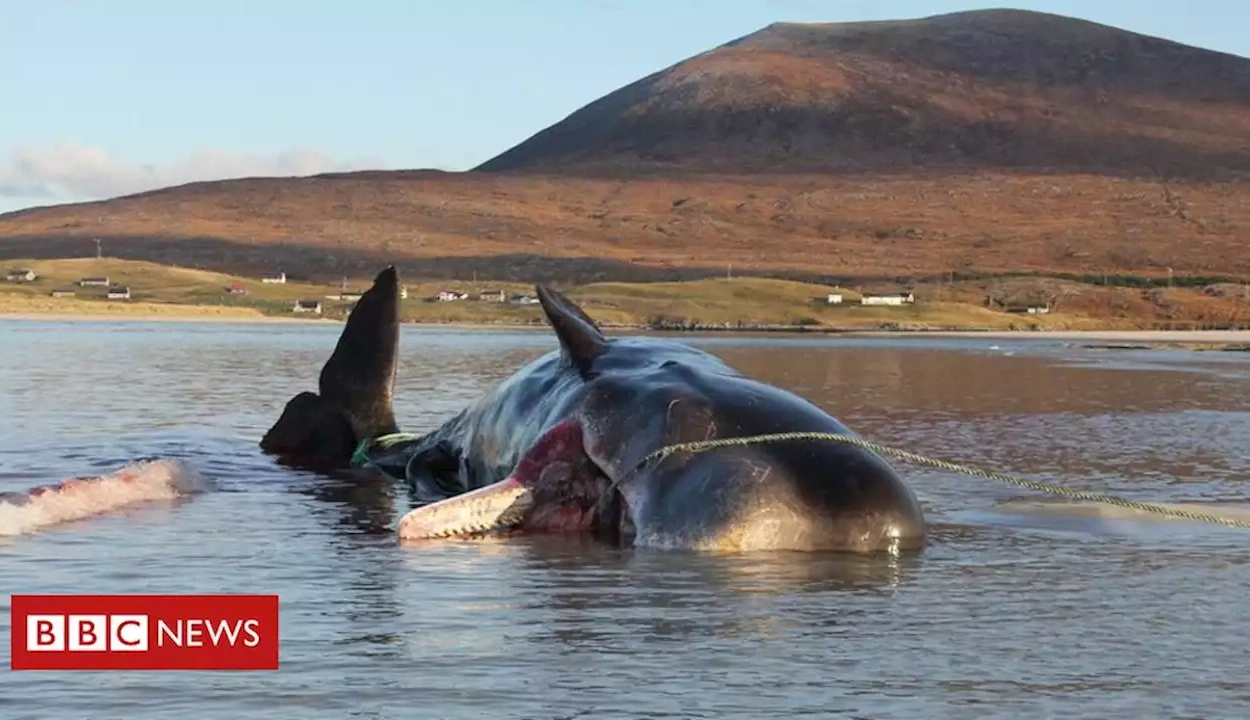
(104, 98)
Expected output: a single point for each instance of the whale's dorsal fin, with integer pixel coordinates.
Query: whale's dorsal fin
(580, 339)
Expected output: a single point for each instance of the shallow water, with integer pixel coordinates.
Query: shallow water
(1008, 613)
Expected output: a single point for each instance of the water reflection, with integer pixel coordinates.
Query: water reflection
(366, 501)
(563, 587)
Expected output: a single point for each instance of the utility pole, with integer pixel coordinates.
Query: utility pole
(729, 272)
(99, 252)
(1169, 277)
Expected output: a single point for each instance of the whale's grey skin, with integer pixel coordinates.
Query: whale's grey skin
(609, 403)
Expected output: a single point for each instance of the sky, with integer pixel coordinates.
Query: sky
(108, 97)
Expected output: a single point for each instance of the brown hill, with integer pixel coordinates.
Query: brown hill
(978, 91)
(998, 88)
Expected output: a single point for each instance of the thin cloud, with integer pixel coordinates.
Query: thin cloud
(75, 171)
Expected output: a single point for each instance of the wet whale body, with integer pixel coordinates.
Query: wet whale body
(560, 446)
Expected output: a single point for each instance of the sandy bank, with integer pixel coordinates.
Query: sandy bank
(161, 317)
(1133, 336)
(202, 314)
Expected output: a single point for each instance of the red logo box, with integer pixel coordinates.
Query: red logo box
(144, 632)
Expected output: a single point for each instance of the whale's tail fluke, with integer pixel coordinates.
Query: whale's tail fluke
(356, 387)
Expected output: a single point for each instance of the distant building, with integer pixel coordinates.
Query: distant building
(63, 292)
(276, 279)
(450, 295)
(403, 292)
(524, 299)
(237, 288)
(119, 292)
(1027, 309)
(887, 299)
(307, 306)
(21, 275)
(93, 282)
(834, 298)
(493, 296)
(350, 296)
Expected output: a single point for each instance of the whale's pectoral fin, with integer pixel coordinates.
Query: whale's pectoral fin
(312, 431)
(580, 339)
(356, 387)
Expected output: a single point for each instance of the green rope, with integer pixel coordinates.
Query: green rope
(384, 441)
(703, 445)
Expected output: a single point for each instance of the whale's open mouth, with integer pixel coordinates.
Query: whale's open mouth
(554, 488)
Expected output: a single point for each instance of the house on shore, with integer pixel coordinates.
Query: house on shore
(93, 282)
(451, 295)
(833, 299)
(236, 288)
(119, 292)
(887, 299)
(21, 275)
(307, 306)
(493, 296)
(63, 292)
(1027, 309)
(274, 279)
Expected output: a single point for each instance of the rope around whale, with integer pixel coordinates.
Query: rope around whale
(703, 445)
(383, 441)
(387, 441)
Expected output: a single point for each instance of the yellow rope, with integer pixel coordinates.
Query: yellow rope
(703, 445)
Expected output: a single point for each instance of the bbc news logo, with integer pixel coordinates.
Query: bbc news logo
(144, 632)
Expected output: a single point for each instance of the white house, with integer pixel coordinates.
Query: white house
(119, 292)
(450, 295)
(93, 282)
(306, 306)
(887, 299)
(22, 275)
(403, 292)
(834, 298)
(278, 279)
(525, 299)
(1029, 309)
(493, 296)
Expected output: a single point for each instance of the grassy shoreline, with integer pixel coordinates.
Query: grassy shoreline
(722, 305)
